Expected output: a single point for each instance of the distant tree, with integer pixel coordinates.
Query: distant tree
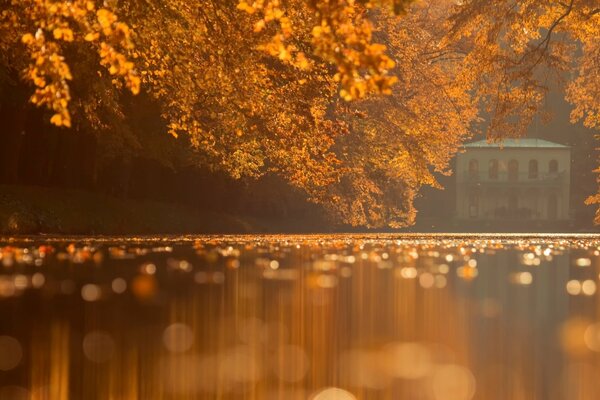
(516, 48)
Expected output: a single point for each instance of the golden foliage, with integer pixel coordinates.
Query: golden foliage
(340, 33)
(516, 50)
(255, 85)
(396, 143)
(46, 27)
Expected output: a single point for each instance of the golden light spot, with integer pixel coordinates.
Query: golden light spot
(7, 287)
(591, 337)
(588, 287)
(144, 287)
(324, 265)
(185, 265)
(232, 263)
(407, 273)
(583, 262)
(11, 353)
(333, 393)
(98, 347)
(281, 274)
(91, 292)
(350, 260)
(426, 280)
(572, 336)
(467, 273)
(119, 285)
(178, 338)
(574, 287)
(327, 281)
(522, 278)
(38, 280)
(530, 259)
(453, 382)
(346, 272)
(443, 268)
(148, 268)
(407, 360)
(21, 282)
(440, 281)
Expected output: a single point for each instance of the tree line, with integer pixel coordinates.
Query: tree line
(356, 104)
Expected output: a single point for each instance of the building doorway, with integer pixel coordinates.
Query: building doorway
(474, 204)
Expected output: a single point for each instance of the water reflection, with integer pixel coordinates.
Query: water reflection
(290, 317)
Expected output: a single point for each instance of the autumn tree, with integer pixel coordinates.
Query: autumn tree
(395, 144)
(262, 97)
(46, 28)
(262, 88)
(358, 103)
(515, 49)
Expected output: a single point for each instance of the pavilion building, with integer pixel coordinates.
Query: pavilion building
(513, 180)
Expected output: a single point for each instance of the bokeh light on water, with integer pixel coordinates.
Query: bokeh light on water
(300, 317)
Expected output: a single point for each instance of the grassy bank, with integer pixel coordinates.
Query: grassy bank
(32, 209)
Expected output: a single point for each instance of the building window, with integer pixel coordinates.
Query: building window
(553, 167)
(473, 169)
(533, 169)
(513, 170)
(493, 169)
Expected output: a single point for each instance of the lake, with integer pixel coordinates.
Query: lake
(339, 317)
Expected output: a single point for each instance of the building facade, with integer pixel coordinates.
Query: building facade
(516, 179)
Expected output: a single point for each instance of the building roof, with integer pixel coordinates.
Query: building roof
(520, 143)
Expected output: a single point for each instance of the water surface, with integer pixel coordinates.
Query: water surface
(300, 317)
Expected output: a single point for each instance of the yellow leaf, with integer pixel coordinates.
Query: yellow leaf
(57, 120)
(105, 18)
(27, 38)
(246, 7)
(90, 37)
(259, 25)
